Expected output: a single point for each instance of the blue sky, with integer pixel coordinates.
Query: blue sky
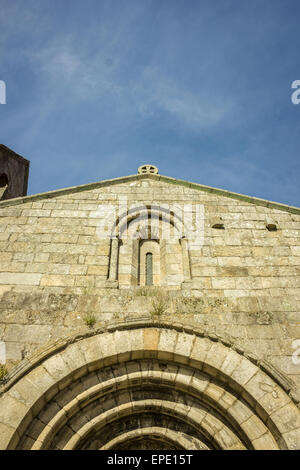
(202, 89)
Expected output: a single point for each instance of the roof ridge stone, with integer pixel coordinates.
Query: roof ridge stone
(163, 178)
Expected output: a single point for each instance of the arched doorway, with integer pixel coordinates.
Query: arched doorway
(145, 386)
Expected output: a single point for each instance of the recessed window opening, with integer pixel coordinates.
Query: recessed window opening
(3, 180)
(149, 269)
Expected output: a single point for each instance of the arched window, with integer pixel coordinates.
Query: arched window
(149, 269)
(3, 180)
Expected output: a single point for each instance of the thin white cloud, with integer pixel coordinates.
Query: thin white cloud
(59, 62)
(94, 68)
(195, 110)
(89, 77)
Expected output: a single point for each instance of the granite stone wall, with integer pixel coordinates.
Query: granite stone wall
(244, 287)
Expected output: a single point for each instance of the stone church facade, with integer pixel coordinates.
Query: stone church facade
(146, 312)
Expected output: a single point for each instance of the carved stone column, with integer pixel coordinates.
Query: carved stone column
(113, 263)
(186, 261)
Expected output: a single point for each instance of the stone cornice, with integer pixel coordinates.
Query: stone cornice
(162, 178)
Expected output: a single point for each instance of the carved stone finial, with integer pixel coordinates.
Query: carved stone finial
(148, 169)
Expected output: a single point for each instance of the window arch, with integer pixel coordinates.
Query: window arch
(148, 229)
(3, 180)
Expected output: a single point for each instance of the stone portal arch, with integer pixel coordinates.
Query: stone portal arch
(148, 386)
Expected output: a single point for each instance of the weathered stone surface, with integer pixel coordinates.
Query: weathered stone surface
(212, 309)
(20, 278)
